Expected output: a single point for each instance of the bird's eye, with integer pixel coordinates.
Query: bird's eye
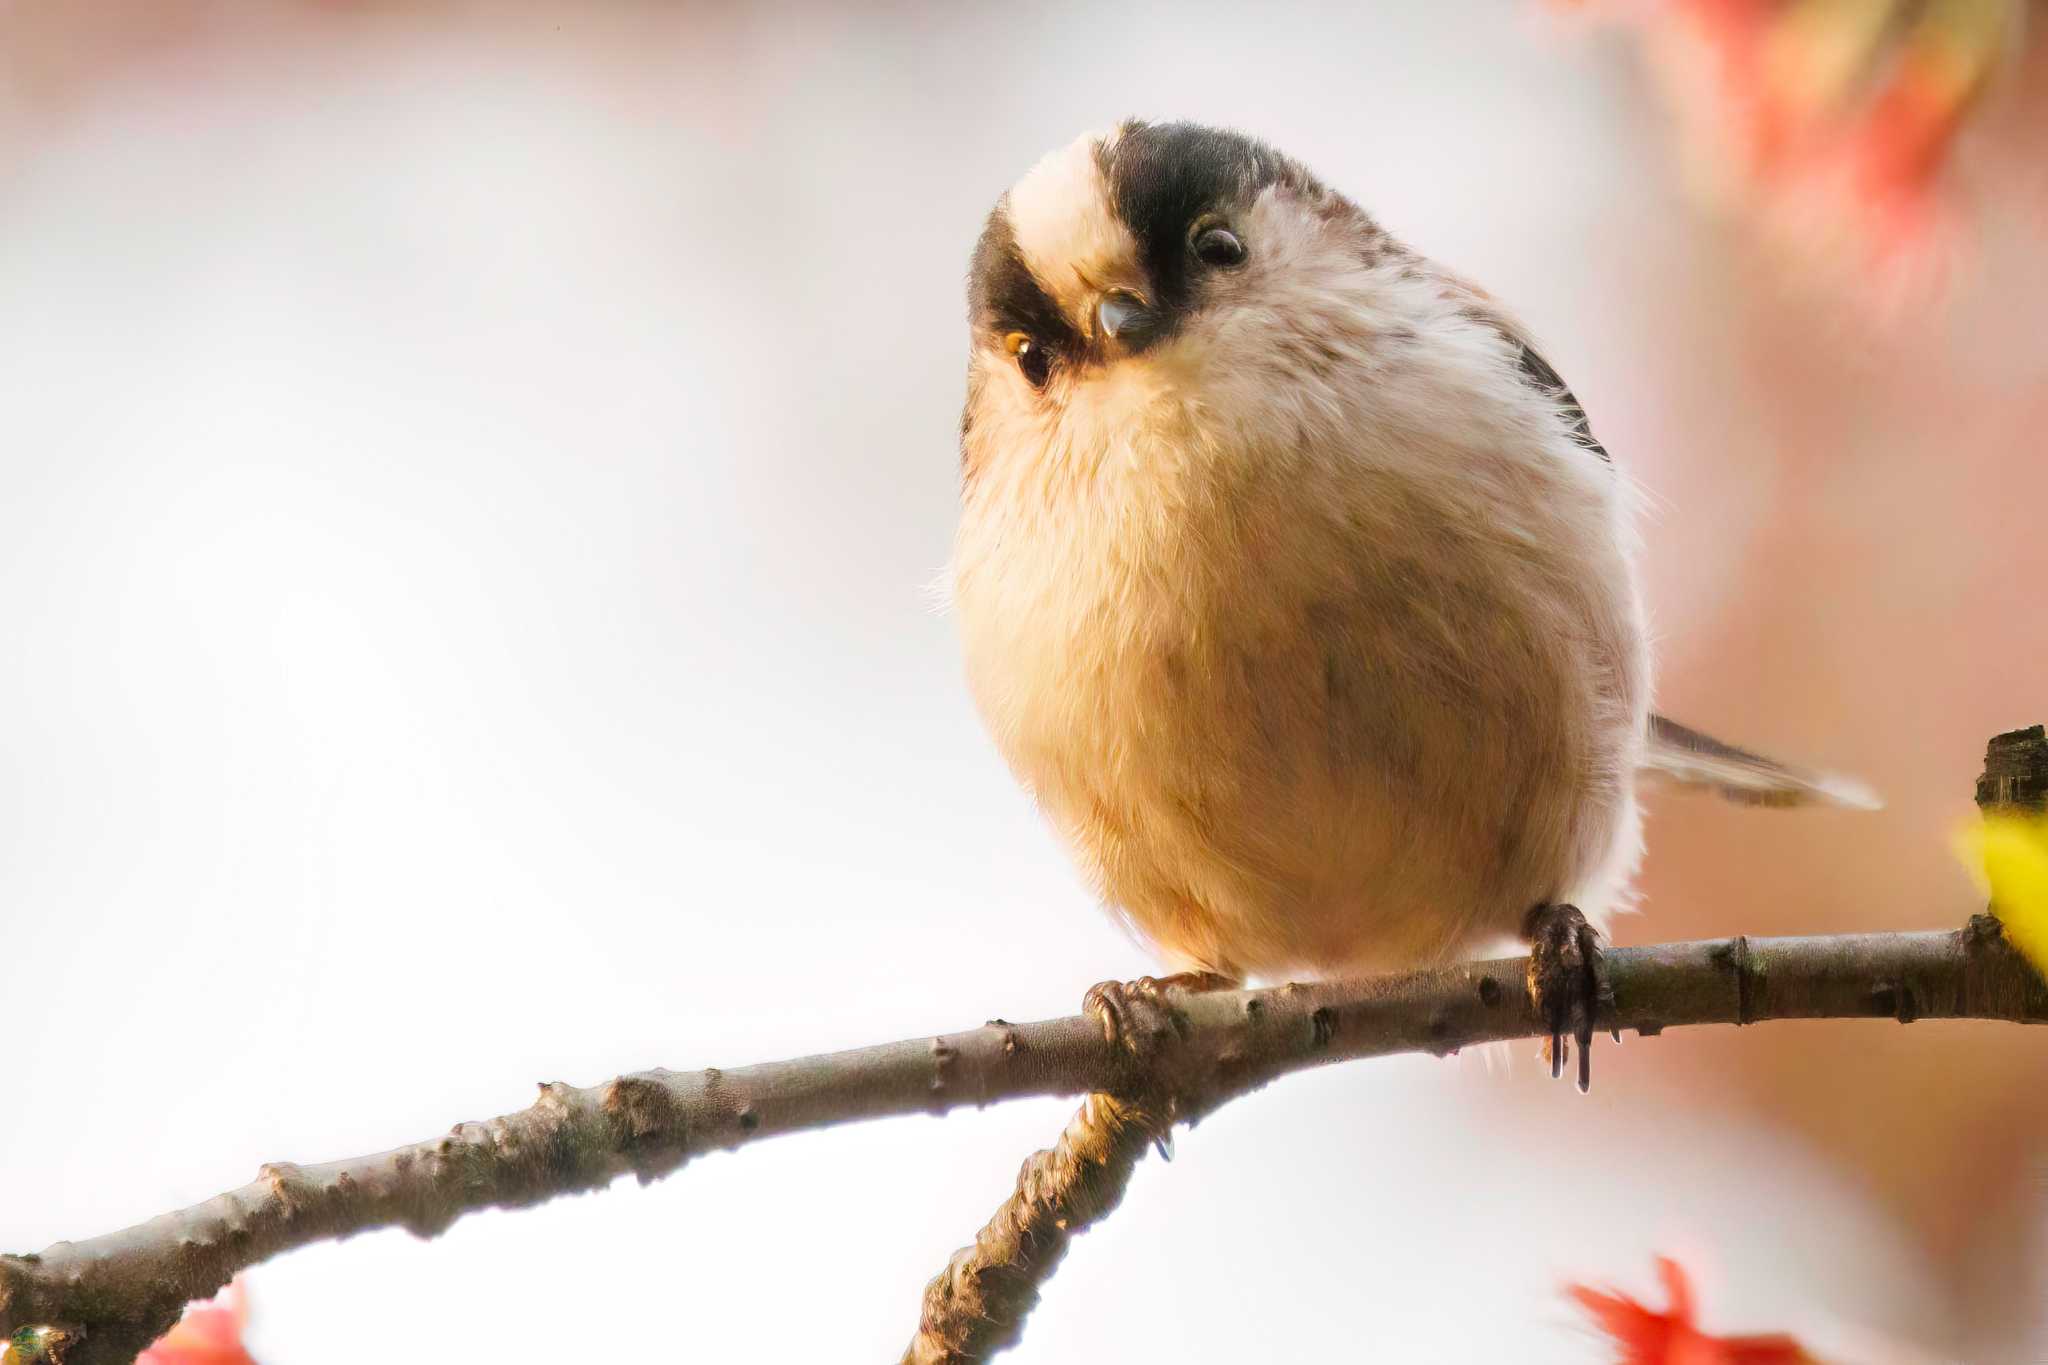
(1034, 362)
(1218, 246)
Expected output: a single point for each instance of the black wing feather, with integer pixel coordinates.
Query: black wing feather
(1538, 372)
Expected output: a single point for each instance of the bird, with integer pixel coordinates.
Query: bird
(1294, 586)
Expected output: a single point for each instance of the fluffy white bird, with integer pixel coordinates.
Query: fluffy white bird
(1294, 585)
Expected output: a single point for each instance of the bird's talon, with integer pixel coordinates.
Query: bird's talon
(1139, 1016)
(1568, 983)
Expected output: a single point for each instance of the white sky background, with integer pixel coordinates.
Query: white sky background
(467, 509)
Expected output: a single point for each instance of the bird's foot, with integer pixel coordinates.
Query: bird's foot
(1139, 1016)
(1567, 981)
(1140, 1019)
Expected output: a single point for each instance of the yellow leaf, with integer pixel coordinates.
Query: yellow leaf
(37, 1346)
(2008, 854)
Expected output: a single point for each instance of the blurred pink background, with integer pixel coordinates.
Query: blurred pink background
(472, 472)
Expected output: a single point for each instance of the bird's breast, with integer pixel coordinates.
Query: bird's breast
(1294, 709)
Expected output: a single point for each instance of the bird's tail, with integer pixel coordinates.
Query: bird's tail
(1685, 756)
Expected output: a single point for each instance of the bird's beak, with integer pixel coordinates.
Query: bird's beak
(1123, 316)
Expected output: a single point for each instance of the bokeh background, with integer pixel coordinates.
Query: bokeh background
(469, 479)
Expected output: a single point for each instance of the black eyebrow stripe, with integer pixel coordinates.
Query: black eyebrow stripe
(1004, 295)
(1164, 177)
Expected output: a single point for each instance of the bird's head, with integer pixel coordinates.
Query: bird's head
(1152, 259)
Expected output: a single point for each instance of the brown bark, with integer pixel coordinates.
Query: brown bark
(99, 1302)
(977, 1305)
(118, 1291)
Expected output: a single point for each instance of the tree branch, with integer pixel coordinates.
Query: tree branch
(119, 1291)
(977, 1306)
(978, 1303)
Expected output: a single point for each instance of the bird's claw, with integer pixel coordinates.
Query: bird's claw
(1568, 982)
(1139, 1017)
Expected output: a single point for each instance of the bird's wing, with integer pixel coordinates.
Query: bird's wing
(1481, 307)
(1674, 752)
(1536, 370)
(1691, 759)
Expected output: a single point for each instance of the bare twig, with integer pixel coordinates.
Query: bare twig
(122, 1289)
(99, 1302)
(978, 1303)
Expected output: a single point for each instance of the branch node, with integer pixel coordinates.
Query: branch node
(1322, 1027)
(944, 1054)
(1733, 957)
(1985, 932)
(2015, 771)
(648, 1125)
(288, 1186)
(1439, 1029)
(1894, 999)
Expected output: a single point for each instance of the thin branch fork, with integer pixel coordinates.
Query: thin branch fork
(109, 1296)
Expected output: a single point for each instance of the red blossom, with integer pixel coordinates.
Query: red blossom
(210, 1333)
(1671, 1336)
(1833, 125)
